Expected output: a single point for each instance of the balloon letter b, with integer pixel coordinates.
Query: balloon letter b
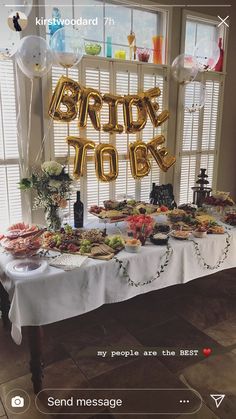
(160, 153)
(66, 93)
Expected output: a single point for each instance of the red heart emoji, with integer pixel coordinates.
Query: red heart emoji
(207, 351)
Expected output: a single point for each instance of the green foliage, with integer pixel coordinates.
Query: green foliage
(50, 190)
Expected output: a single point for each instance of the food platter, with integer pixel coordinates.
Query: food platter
(92, 243)
(118, 211)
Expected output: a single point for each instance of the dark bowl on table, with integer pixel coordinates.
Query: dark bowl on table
(162, 228)
(162, 239)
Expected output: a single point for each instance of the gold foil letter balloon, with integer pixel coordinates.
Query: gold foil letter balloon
(102, 152)
(160, 153)
(81, 146)
(153, 107)
(113, 102)
(139, 162)
(132, 125)
(91, 109)
(66, 94)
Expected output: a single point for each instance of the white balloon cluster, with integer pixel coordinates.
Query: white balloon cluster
(185, 68)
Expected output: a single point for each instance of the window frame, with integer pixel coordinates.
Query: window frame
(208, 19)
(165, 27)
(202, 77)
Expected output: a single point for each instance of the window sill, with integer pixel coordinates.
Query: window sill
(116, 60)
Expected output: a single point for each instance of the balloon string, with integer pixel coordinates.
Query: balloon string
(29, 126)
(19, 127)
(45, 137)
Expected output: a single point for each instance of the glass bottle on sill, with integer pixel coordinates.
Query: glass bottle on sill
(78, 212)
(109, 47)
(157, 42)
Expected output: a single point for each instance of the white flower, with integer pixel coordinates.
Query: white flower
(52, 168)
(54, 184)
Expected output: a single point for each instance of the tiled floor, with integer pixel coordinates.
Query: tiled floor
(201, 314)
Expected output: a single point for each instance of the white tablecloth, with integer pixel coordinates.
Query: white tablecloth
(59, 295)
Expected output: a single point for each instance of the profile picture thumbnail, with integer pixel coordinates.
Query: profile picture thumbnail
(17, 21)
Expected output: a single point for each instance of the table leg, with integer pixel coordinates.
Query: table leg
(35, 334)
(4, 306)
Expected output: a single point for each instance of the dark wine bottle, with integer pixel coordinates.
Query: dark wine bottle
(78, 212)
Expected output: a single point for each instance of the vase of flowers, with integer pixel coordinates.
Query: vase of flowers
(52, 186)
(141, 226)
(53, 218)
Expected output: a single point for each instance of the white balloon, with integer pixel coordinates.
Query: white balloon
(9, 44)
(207, 54)
(34, 57)
(184, 68)
(24, 6)
(194, 96)
(67, 47)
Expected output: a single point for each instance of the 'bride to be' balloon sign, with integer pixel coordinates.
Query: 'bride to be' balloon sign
(71, 100)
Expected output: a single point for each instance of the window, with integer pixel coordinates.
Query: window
(197, 31)
(115, 21)
(199, 131)
(10, 196)
(118, 78)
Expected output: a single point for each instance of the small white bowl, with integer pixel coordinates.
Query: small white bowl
(132, 248)
(200, 234)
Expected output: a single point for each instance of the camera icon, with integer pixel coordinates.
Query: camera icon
(17, 401)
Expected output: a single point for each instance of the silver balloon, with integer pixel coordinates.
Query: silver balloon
(207, 54)
(34, 57)
(194, 96)
(184, 68)
(67, 47)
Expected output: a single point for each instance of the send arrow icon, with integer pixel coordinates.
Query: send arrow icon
(218, 399)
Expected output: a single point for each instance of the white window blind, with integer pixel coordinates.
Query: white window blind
(121, 79)
(150, 80)
(10, 196)
(126, 82)
(199, 134)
